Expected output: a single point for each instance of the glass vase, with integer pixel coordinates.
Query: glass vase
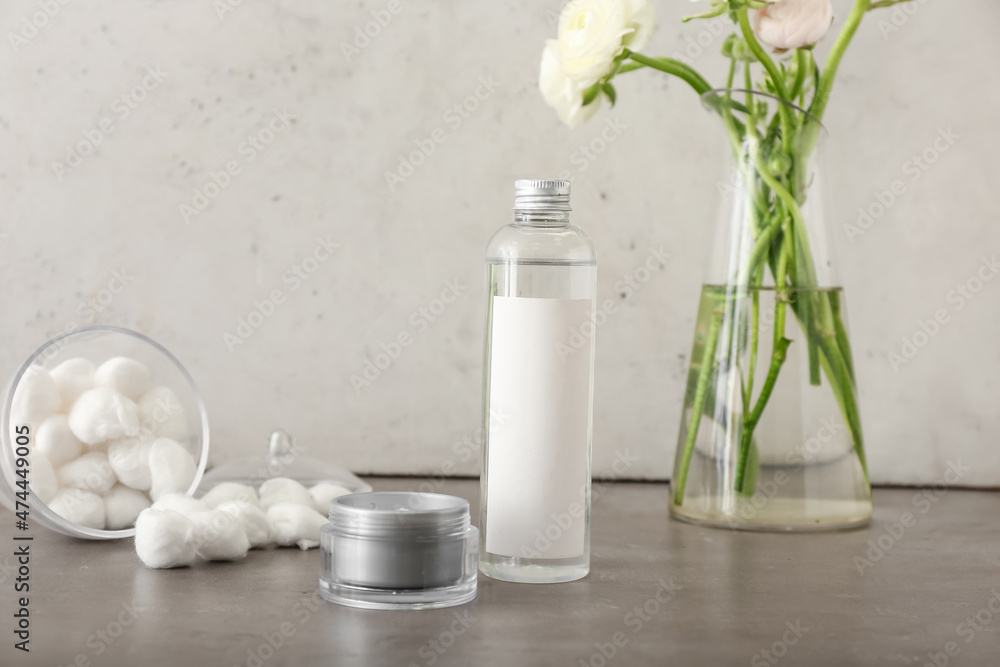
(770, 435)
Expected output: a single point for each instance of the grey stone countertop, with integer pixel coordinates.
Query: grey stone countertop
(659, 592)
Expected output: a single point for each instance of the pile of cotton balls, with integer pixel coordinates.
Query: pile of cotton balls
(107, 442)
(230, 520)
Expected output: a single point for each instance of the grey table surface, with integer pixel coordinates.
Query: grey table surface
(659, 592)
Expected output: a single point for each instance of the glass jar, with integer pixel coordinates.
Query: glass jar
(97, 344)
(398, 550)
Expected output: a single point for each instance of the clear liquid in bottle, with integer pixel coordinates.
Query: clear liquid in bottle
(538, 393)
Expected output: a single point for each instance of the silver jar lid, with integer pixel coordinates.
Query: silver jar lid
(532, 194)
(399, 514)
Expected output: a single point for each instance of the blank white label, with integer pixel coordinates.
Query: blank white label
(538, 459)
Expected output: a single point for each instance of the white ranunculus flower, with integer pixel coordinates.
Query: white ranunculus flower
(560, 92)
(793, 24)
(593, 32)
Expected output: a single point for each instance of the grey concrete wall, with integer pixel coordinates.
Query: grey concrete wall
(343, 118)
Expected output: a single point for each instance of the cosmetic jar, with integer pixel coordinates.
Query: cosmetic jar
(398, 550)
(98, 344)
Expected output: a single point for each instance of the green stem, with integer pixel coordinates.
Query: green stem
(799, 224)
(710, 14)
(751, 107)
(888, 3)
(811, 73)
(843, 341)
(810, 311)
(793, 209)
(758, 50)
(701, 389)
(754, 342)
(755, 296)
(825, 88)
(759, 252)
(802, 64)
(629, 67)
(836, 370)
(776, 79)
(781, 293)
(682, 71)
(778, 356)
(675, 67)
(727, 114)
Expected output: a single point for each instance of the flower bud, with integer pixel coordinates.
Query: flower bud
(779, 163)
(737, 48)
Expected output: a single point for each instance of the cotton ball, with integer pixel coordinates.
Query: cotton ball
(164, 539)
(324, 492)
(35, 398)
(162, 415)
(253, 519)
(73, 377)
(124, 375)
(42, 477)
(56, 440)
(283, 490)
(79, 506)
(122, 505)
(292, 523)
(220, 535)
(129, 459)
(103, 414)
(171, 467)
(230, 491)
(91, 472)
(180, 503)
(101, 447)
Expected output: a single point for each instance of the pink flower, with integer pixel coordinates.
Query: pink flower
(793, 24)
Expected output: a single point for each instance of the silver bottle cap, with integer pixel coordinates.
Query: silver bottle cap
(533, 194)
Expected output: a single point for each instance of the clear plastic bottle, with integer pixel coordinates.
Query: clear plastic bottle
(538, 392)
